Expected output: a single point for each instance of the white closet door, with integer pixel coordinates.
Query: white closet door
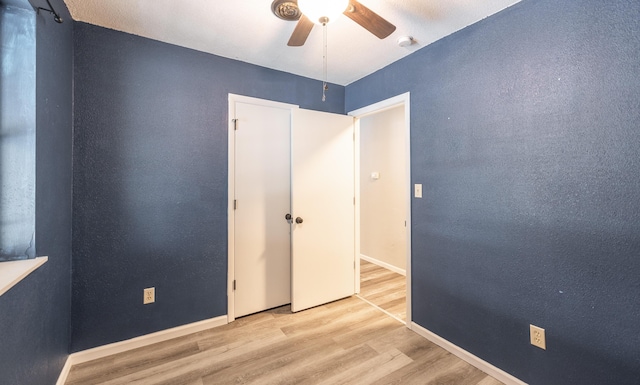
(323, 179)
(262, 259)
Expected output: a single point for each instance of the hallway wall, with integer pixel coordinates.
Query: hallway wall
(383, 201)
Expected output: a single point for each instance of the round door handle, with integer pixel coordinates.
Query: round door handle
(298, 220)
(288, 217)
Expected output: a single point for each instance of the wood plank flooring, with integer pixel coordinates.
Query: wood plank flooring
(384, 288)
(344, 342)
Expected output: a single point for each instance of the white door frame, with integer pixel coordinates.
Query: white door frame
(400, 100)
(233, 99)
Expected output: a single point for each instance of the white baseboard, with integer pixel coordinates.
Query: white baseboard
(137, 342)
(479, 363)
(384, 264)
(62, 378)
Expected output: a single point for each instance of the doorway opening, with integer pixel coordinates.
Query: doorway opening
(383, 210)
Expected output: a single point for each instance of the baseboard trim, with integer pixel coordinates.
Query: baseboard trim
(384, 264)
(457, 351)
(62, 378)
(137, 342)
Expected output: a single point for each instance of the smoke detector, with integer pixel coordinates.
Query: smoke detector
(405, 41)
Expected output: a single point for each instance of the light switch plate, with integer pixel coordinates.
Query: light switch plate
(418, 190)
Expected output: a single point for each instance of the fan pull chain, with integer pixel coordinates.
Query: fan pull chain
(325, 87)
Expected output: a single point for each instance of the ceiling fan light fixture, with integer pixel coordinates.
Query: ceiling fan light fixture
(286, 9)
(323, 11)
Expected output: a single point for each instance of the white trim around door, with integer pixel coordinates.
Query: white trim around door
(404, 100)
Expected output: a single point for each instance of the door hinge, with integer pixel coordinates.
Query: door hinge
(234, 284)
(235, 124)
(354, 201)
(235, 204)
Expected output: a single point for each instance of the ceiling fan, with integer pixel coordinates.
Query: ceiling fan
(310, 12)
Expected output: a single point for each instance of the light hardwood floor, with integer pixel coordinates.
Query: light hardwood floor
(344, 342)
(384, 288)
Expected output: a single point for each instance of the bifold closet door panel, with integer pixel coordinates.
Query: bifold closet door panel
(323, 208)
(262, 192)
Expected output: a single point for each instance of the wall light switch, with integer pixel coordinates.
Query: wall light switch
(418, 190)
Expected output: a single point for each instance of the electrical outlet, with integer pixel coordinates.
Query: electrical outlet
(537, 337)
(149, 295)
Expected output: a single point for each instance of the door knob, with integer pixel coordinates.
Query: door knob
(298, 220)
(288, 217)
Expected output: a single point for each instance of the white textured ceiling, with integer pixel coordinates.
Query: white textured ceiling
(246, 30)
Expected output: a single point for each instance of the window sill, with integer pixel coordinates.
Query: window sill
(13, 272)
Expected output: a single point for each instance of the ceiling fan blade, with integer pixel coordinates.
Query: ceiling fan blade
(369, 20)
(301, 32)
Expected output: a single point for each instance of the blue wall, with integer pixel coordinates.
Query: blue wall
(150, 179)
(35, 314)
(525, 134)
